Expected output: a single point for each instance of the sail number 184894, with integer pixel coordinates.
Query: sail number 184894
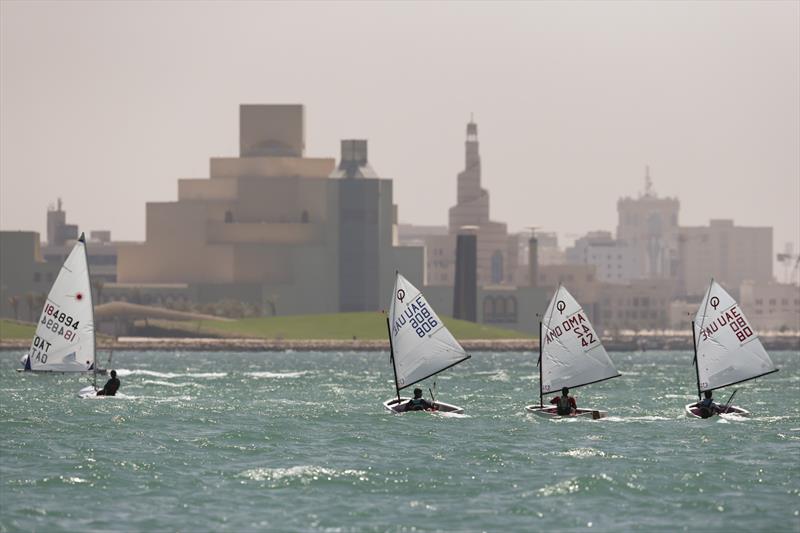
(59, 322)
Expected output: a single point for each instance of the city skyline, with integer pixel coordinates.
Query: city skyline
(108, 120)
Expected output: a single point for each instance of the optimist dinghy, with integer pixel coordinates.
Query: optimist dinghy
(420, 345)
(65, 339)
(570, 355)
(727, 350)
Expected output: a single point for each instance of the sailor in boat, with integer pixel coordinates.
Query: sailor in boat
(111, 387)
(565, 404)
(707, 406)
(418, 403)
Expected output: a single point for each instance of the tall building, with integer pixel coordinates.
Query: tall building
(649, 225)
(730, 254)
(292, 233)
(101, 252)
(771, 306)
(25, 277)
(365, 229)
(614, 260)
(498, 252)
(58, 231)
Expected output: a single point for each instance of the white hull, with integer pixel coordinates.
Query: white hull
(89, 392)
(548, 411)
(692, 411)
(399, 407)
(24, 359)
(100, 371)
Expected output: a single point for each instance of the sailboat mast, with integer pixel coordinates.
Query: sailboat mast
(91, 297)
(541, 403)
(694, 338)
(696, 362)
(391, 355)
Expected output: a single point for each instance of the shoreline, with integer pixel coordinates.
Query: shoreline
(627, 344)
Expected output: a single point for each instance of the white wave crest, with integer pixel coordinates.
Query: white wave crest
(582, 453)
(276, 375)
(305, 473)
(647, 418)
(122, 372)
(165, 383)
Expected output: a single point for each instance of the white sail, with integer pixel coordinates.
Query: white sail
(64, 340)
(422, 345)
(572, 354)
(728, 349)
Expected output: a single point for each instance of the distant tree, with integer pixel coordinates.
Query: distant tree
(253, 310)
(30, 299)
(13, 301)
(39, 300)
(98, 285)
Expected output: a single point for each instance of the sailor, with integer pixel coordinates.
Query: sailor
(707, 406)
(418, 403)
(111, 386)
(565, 404)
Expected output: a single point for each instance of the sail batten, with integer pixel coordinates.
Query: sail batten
(64, 340)
(572, 354)
(422, 344)
(728, 348)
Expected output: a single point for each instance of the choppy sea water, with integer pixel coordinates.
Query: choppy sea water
(300, 442)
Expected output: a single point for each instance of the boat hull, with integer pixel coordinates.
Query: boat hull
(100, 371)
(547, 411)
(398, 407)
(89, 392)
(692, 411)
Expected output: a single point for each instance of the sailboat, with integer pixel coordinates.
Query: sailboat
(64, 340)
(420, 344)
(726, 349)
(570, 354)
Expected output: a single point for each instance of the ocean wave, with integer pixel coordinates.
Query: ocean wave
(568, 486)
(646, 418)
(451, 415)
(166, 383)
(122, 372)
(303, 473)
(276, 375)
(585, 453)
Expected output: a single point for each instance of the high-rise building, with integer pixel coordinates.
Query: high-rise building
(730, 254)
(365, 229)
(25, 277)
(58, 231)
(649, 225)
(614, 260)
(498, 253)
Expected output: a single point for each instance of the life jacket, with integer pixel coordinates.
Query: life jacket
(563, 406)
(417, 404)
(111, 387)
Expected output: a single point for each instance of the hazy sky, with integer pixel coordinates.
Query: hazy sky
(107, 104)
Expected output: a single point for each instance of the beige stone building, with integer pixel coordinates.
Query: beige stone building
(638, 305)
(294, 233)
(771, 306)
(728, 253)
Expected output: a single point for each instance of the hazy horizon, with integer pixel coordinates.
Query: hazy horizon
(107, 105)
